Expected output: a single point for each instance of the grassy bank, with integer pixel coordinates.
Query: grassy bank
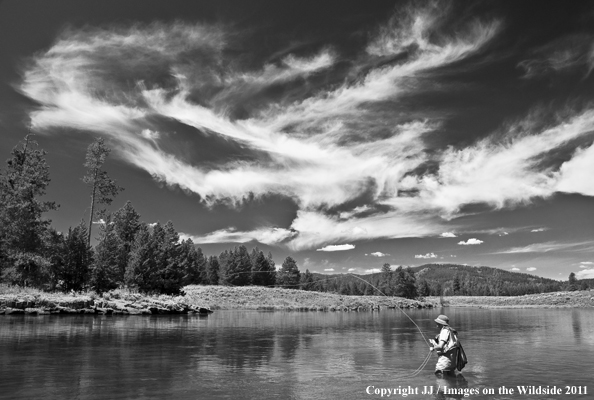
(263, 298)
(577, 299)
(15, 300)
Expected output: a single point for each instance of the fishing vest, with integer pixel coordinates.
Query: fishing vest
(452, 339)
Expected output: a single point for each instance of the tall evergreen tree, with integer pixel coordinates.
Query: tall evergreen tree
(188, 259)
(77, 258)
(288, 275)
(213, 270)
(307, 280)
(22, 226)
(239, 268)
(386, 280)
(263, 273)
(170, 273)
(572, 283)
(141, 271)
(105, 271)
(223, 261)
(103, 188)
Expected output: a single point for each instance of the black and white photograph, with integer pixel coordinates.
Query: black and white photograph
(279, 199)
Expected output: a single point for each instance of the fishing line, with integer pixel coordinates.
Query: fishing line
(427, 357)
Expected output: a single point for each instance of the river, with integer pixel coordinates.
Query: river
(294, 355)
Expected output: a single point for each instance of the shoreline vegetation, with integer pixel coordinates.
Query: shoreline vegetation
(202, 299)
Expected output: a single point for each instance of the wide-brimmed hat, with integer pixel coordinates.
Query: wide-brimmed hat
(443, 320)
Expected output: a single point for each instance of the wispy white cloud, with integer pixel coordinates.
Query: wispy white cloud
(531, 269)
(546, 247)
(337, 247)
(448, 235)
(538, 230)
(563, 54)
(102, 80)
(268, 236)
(428, 255)
(378, 254)
(329, 270)
(515, 269)
(351, 269)
(471, 241)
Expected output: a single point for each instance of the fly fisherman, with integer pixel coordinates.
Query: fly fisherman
(445, 345)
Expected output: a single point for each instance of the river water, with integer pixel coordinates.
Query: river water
(294, 355)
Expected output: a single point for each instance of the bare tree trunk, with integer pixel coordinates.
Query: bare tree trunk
(92, 207)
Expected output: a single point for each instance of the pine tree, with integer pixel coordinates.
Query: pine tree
(126, 223)
(263, 273)
(77, 258)
(223, 260)
(288, 275)
(188, 259)
(572, 282)
(386, 280)
(22, 228)
(213, 270)
(103, 188)
(456, 284)
(141, 271)
(170, 272)
(307, 280)
(202, 262)
(239, 268)
(105, 271)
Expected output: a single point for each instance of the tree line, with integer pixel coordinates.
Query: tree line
(152, 258)
(129, 252)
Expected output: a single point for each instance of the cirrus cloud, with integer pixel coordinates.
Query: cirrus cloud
(305, 143)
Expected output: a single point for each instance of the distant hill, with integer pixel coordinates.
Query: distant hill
(445, 279)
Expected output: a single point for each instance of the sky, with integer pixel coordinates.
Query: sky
(346, 134)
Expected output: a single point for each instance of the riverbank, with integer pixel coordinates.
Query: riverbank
(15, 301)
(576, 299)
(197, 299)
(276, 299)
(203, 299)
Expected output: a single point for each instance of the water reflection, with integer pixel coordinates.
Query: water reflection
(576, 326)
(282, 355)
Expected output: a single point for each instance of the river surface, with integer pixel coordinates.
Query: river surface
(293, 355)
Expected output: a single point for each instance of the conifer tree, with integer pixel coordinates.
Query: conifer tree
(288, 275)
(77, 258)
(22, 227)
(170, 273)
(188, 259)
(263, 273)
(213, 270)
(103, 188)
(307, 280)
(105, 271)
(386, 280)
(223, 261)
(239, 267)
(141, 270)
